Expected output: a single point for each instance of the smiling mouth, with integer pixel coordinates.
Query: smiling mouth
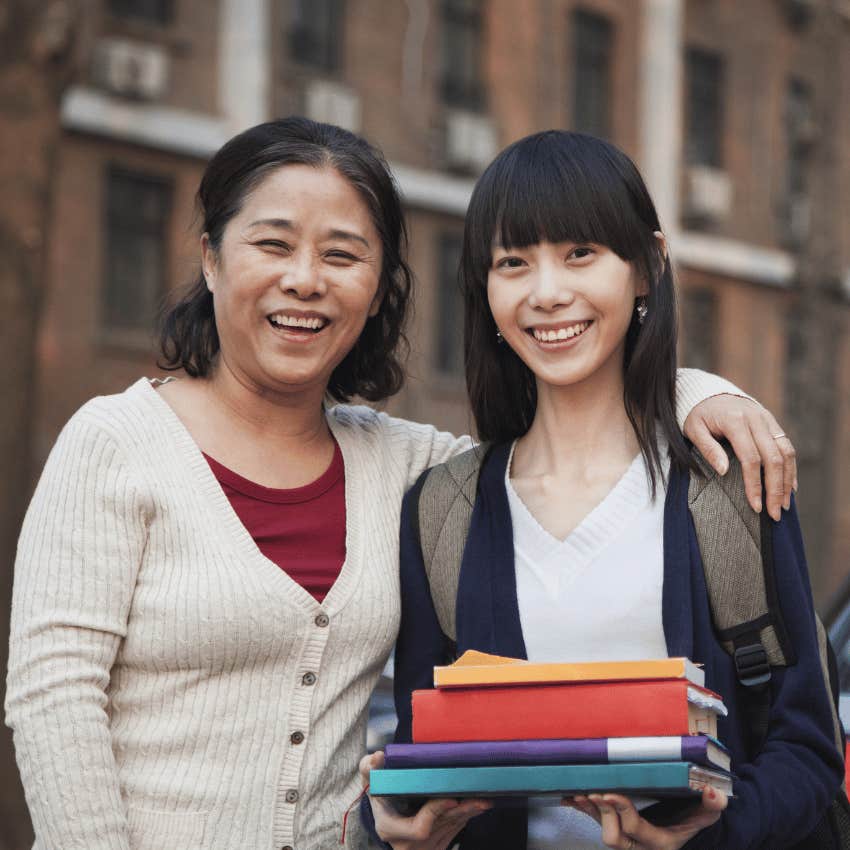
(562, 334)
(307, 325)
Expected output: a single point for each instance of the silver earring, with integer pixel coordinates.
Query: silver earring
(499, 338)
(641, 310)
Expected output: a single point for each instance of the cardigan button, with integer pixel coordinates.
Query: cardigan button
(287, 847)
(308, 679)
(322, 620)
(291, 796)
(297, 737)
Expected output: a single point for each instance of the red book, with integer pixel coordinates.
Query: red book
(593, 710)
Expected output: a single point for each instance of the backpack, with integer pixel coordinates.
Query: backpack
(743, 599)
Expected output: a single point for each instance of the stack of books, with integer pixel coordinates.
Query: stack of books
(497, 727)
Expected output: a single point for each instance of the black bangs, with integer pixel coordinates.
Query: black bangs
(557, 186)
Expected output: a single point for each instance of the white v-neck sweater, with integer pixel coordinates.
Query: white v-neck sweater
(159, 663)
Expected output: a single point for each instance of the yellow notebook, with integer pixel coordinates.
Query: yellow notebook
(478, 669)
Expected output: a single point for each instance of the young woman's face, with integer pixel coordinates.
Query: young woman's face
(295, 279)
(563, 308)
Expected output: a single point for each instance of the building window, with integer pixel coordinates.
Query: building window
(137, 213)
(461, 54)
(315, 38)
(592, 44)
(800, 133)
(704, 108)
(449, 313)
(699, 328)
(151, 11)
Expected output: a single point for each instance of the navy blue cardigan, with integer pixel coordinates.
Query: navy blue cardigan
(779, 796)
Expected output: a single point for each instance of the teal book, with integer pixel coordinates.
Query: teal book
(648, 779)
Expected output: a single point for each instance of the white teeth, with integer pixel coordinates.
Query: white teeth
(543, 335)
(282, 320)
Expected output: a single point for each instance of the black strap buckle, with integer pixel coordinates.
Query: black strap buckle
(751, 665)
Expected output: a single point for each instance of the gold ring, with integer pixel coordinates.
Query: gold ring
(631, 845)
(775, 437)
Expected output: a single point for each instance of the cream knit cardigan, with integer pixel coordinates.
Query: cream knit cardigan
(159, 663)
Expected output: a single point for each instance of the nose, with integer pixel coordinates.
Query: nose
(550, 288)
(302, 276)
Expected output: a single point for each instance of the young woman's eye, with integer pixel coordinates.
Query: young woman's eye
(582, 252)
(509, 263)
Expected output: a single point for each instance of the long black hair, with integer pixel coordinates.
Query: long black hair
(373, 368)
(558, 186)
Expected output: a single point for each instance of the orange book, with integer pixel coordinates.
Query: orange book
(584, 710)
(478, 669)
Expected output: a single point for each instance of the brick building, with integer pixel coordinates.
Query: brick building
(736, 113)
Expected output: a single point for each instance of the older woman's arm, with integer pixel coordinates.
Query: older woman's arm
(78, 556)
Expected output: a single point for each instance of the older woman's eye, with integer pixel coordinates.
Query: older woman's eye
(341, 256)
(273, 243)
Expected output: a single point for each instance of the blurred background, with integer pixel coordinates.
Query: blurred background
(737, 113)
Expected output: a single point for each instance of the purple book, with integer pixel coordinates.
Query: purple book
(699, 749)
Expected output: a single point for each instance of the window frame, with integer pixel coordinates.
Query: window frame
(137, 333)
(593, 68)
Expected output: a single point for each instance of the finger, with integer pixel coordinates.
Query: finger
(367, 763)
(714, 802)
(630, 819)
(584, 805)
(612, 832)
(773, 462)
(737, 431)
(699, 433)
(789, 453)
(451, 823)
(432, 815)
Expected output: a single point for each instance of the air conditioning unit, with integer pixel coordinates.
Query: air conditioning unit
(471, 141)
(131, 69)
(332, 103)
(708, 194)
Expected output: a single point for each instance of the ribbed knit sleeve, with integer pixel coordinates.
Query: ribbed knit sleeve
(415, 446)
(694, 386)
(78, 556)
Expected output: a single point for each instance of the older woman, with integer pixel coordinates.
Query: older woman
(206, 587)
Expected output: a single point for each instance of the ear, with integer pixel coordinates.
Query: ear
(209, 261)
(375, 306)
(642, 288)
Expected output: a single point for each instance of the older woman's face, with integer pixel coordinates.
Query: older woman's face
(294, 280)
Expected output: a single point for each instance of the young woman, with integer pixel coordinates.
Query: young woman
(206, 587)
(580, 545)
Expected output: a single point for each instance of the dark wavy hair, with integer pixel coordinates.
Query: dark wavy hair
(558, 186)
(373, 369)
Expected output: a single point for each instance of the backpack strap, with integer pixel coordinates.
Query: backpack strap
(444, 511)
(736, 546)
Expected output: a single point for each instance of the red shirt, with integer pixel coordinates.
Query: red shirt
(301, 529)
